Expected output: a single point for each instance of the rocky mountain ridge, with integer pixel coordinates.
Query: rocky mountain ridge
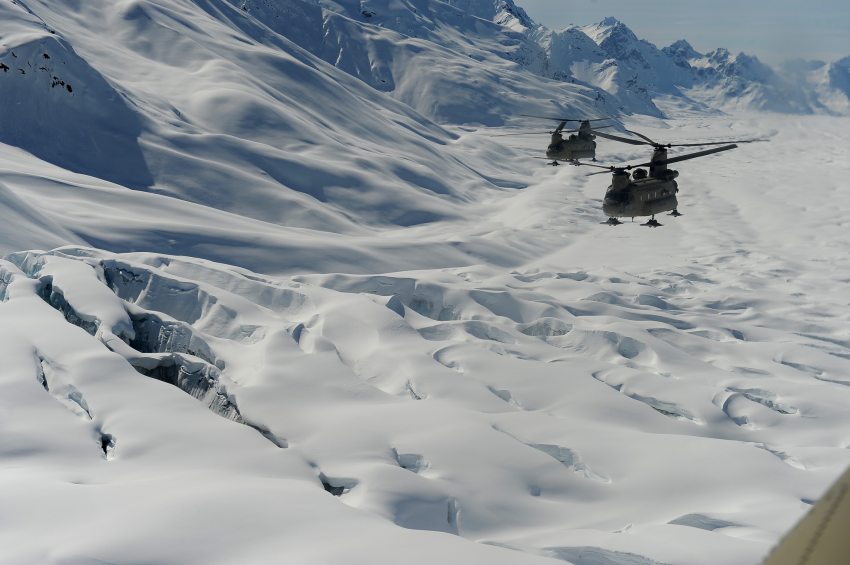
(626, 71)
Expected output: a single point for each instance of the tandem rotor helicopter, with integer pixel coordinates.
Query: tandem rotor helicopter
(641, 193)
(579, 145)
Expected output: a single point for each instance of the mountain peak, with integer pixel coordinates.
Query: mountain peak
(610, 30)
(719, 55)
(681, 49)
(610, 21)
(494, 10)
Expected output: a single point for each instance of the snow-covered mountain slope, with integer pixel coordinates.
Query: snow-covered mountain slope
(573, 56)
(626, 72)
(247, 145)
(742, 81)
(456, 62)
(256, 100)
(828, 84)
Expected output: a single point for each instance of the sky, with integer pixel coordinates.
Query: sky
(773, 30)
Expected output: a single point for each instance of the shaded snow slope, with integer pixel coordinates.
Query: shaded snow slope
(53, 99)
(183, 96)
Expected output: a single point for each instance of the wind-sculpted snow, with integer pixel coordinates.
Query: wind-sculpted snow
(583, 398)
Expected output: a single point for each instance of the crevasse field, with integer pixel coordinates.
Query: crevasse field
(253, 310)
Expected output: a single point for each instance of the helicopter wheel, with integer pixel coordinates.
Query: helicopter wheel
(613, 222)
(652, 223)
(675, 214)
(554, 164)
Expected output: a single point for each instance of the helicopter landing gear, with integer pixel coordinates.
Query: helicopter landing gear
(652, 223)
(675, 214)
(553, 164)
(613, 222)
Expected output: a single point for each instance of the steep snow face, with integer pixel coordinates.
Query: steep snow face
(503, 12)
(428, 54)
(53, 99)
(649, 66)
(574, 56)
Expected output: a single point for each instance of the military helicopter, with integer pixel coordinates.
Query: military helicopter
(649, 194)
(579, 145)
(645, 195)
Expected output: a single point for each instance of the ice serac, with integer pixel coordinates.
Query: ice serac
(60, 108)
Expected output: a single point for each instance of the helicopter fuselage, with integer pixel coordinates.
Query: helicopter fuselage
(573, 148)
(632, 198)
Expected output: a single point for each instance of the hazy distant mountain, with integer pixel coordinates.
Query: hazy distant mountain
(636, 71)
(457, 50)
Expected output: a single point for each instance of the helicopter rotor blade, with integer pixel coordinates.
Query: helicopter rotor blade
(706, 143)
(683, 157)
(537, 132)
(662, 161)
(713, 143)
(695, 155)
(640, 135)
(560, 127)
(620, 139)
(566, 119)
(606, 167)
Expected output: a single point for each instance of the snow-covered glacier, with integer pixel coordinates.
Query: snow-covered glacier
(275, 288)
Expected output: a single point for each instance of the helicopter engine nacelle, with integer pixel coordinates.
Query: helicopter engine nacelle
(619, 180)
